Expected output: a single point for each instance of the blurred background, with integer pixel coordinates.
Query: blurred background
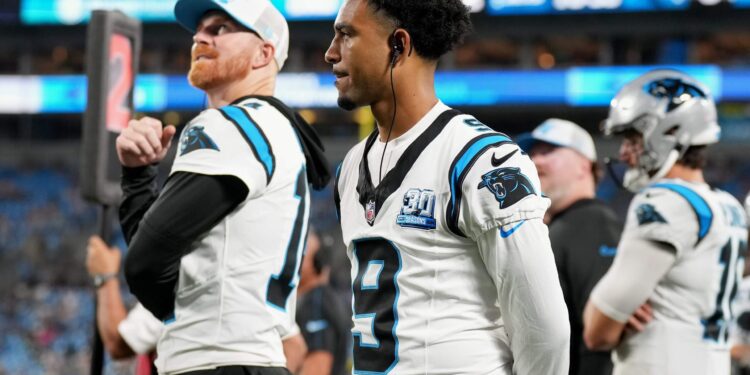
(527, 60)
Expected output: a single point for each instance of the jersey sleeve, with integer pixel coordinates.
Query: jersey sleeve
(293, 331)
(226, 141)
(317, 327)
(629, 282)
(140, 330)
(663, 215)
(531, 302)
(493, 184)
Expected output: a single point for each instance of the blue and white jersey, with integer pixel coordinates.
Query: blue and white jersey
(236, 295)
(692, 302)
(426, 297)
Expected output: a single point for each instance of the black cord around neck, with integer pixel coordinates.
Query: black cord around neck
(393, 120)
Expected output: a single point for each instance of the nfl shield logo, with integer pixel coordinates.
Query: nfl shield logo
(370, 212)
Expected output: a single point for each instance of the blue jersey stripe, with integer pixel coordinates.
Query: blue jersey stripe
(460, 167)
(700, 207)
(254, 136)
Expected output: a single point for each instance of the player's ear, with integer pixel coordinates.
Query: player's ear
(263, 56)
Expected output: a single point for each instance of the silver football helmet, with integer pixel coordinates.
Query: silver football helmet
(672, 111)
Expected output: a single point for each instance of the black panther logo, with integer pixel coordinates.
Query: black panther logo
(195, 139)
(675, 90)
(507, 184)
(646, 213)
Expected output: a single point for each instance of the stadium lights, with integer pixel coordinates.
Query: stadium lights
(576, 87)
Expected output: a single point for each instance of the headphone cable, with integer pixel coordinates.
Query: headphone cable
(393, 120)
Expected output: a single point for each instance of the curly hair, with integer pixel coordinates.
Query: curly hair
(435, 26)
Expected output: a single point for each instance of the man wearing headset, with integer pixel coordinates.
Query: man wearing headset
(683, 242)
(452, 270)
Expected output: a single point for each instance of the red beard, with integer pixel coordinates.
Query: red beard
(211, 71)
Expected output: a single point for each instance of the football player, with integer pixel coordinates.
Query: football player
(452, 270)
(215, 254)
(683, 243)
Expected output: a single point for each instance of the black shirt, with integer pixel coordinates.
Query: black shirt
(324, 322)
(584, 239)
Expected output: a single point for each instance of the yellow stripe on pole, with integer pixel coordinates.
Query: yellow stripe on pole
(366, 121)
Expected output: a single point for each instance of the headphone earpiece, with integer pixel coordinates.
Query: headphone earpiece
(397, 48)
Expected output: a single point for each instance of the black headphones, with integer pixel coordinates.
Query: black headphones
(397, 48)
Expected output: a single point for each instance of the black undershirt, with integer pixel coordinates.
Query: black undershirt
(160, 227)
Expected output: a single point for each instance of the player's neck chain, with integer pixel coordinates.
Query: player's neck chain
(372, 198)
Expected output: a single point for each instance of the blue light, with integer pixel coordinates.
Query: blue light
(577, 87)
(526, 7)
(63, 94)
(501, 87)
(595, 86)
(735, 84)
(72, 12)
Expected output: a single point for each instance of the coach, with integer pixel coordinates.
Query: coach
(583, 231)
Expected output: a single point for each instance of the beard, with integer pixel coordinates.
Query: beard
(346, 104)
(207, 74)
(361, 93)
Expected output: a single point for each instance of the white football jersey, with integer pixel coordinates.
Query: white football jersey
(692, 301)
(236, 295)
(424, 301)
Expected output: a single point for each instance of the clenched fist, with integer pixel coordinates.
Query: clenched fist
(144, 142)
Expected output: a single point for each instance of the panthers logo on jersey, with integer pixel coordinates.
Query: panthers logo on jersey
(508, 185)
(647, 214)
(196, 138)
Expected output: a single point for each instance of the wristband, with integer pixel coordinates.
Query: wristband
(101, 278)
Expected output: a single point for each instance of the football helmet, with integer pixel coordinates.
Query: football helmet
(672, 111)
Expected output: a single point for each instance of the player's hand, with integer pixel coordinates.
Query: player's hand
(144, 142)
(100, 258)
(640, 318)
